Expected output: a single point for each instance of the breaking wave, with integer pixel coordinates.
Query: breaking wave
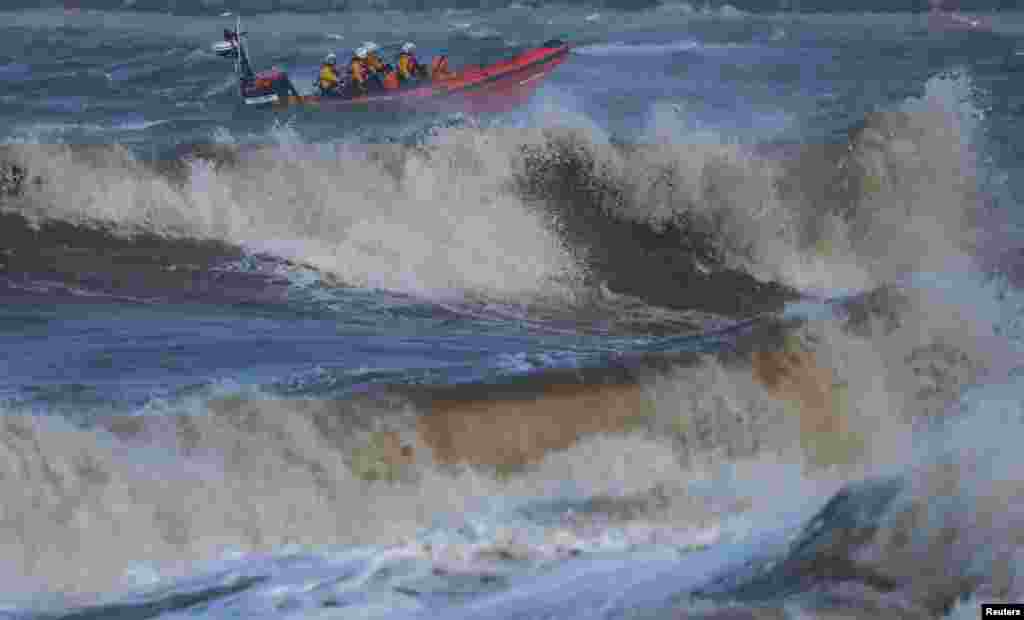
(430, 223)
(544, 216)
(452, 485)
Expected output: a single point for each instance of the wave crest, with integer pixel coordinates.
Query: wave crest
(551, 215)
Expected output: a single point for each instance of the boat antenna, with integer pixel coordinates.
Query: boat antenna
(244, 67)
(238, 36)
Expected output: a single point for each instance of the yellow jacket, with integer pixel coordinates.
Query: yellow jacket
(408, 66)
(328, 77)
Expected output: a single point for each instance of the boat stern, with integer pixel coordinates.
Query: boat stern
(267, 87)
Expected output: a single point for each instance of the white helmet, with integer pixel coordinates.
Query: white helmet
(331, 58)
(362, 52)
(408, 47)
(370, 47)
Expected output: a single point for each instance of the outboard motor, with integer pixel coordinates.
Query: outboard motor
(267, 87)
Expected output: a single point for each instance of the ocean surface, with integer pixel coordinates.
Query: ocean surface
(724, 323)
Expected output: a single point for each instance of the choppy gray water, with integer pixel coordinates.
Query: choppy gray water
(237, 346)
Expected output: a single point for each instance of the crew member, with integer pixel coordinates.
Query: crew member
(376, 68)
(373, 61)
(409, 68)
(329, 81)
(359, 72)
